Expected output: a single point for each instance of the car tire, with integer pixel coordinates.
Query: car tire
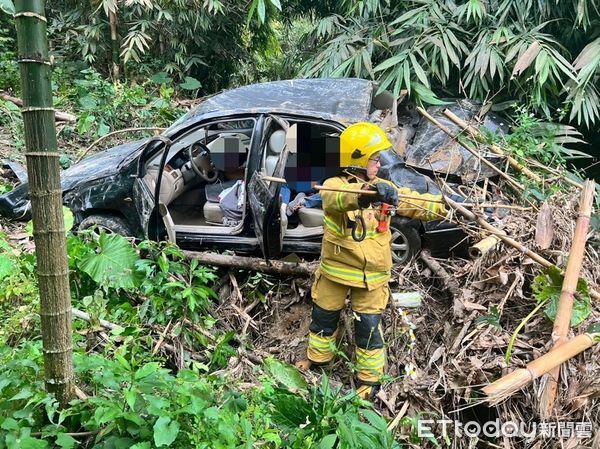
(405, 243)
(110, 223)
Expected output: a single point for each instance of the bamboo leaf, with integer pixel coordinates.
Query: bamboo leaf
(276, 4)
(261, 9)
(390, 62)
(419, 70)
(526, 58)
(589, 54)
(7, 6)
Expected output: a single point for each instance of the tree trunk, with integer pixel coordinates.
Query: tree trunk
(300, 269)
(46, 198)
(114, 39)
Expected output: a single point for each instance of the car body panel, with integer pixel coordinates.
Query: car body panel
(111, 181)
(345, 100)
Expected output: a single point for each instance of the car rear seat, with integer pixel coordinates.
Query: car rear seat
(311, 217)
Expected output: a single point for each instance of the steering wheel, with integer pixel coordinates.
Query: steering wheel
(202, 163)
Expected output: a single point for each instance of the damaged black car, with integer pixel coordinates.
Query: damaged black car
(216, 177)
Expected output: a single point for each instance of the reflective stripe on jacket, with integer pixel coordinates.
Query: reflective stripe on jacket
(365, 264)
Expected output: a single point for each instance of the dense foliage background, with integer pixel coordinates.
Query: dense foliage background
(543, 54)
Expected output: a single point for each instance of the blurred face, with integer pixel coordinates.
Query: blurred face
(373, 166)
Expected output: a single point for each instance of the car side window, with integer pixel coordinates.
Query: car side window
(316, 156)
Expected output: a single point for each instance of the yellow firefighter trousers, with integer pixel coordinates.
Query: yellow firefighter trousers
(328, 300)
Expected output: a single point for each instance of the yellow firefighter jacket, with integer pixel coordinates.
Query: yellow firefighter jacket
(365, 264)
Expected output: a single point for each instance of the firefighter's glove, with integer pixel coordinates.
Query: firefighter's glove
(386, 194)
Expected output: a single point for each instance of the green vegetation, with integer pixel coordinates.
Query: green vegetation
(137, 398)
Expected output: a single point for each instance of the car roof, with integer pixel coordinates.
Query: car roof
(346, 100)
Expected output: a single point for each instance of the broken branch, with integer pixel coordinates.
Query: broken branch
(477, 136)
(510, 241)
(470, 150)
(507, 385)
(61, 116)
(300, 269)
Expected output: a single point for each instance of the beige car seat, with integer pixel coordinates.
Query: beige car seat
(276, 146)
(311, 217)
(171, 184)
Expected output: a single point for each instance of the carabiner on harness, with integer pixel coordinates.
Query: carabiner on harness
(359, 238)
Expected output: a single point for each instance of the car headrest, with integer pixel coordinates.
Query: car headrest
(277, 141)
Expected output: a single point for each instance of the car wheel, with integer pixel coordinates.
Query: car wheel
(406, 242)
(109, 223)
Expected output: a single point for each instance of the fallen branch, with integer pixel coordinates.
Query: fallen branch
(448, 281)
(470, 150)
(510, 241)
(111, 326)
(476, 135)
(61, 116)
(507, 385)
(300, 269)
(106, 136)
(562, 322)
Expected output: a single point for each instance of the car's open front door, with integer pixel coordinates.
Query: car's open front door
(264, 198)
(146, 188)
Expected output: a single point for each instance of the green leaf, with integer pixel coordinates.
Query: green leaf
(32, 443)
(261, 8)
(130, 397)
(9, 424)
(276, 4)
(390, 62)
(7, 6)
(287, 375)
(114, 263)
(161, 78)
(65, 441)
(25, 393)
(328, 441)
(103, 129)
(146, 370)
(144, 445)
(593, 328)
(190, 83)
(6, 266)
(88, 102)
(68, 217)
(165, 431)
(548, 286)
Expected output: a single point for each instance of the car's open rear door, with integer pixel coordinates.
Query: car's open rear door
(265, 201)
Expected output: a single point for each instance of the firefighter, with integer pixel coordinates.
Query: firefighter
(358, 269)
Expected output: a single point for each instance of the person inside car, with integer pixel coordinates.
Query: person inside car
(358, 269)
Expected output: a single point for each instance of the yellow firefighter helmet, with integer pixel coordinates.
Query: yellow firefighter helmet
(359, 142)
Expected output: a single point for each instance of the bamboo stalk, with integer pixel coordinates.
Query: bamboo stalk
(562, 321)
(519, 378)
(510, 241)
(470, 150)
(476, 135)
(483, 246)
(46, 199)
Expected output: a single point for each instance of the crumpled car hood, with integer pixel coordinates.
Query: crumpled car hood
(100, 165)
(16, 205)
